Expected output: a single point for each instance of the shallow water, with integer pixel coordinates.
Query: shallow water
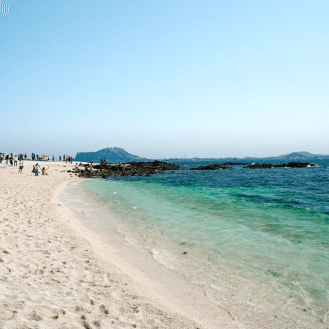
(256, 240)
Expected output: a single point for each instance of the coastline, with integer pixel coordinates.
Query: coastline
(107, 208)
(57, 273)
(153, 279)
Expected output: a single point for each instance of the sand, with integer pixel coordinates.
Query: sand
(55, 273)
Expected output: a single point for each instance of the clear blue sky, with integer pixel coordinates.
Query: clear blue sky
(165, 78)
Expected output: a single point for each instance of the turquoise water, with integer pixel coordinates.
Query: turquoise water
(257, 241)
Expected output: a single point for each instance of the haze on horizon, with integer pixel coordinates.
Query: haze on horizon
(165, 79)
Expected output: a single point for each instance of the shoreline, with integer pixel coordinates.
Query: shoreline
(57, 273)
(138, 263)
(96, 213)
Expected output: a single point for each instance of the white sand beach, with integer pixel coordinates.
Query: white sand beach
(55, 273)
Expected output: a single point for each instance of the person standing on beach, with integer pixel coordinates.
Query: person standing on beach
(15, 160)
(20, 170)
(36, 171)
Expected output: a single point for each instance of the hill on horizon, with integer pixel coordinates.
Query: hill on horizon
(294, 155)
(117, 154)
(300, 155)
(111, 154)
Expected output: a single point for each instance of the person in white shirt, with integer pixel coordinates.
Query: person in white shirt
(15, 160)
(20, 170)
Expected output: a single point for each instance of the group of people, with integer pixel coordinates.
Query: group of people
(18, 160)
(36, 170)
(11, 159)
(37, 157)
(66, 158)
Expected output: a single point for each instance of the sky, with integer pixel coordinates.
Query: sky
(165, 79)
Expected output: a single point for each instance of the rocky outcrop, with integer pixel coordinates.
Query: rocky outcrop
(129, 169)
(282, 165)
(213, 166)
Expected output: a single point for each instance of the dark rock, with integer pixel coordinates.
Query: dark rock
(211, 167)
(105, 170)
(234, 164)
(283, 165)
(260, 166)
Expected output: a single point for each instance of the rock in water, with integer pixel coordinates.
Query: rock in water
(213, 166)
(283, 165)
(105, 170)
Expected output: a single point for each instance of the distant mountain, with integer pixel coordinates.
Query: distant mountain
(295, 156)
(301, 155)
(116, 155)
(111, 154)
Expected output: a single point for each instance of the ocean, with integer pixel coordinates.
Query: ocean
(256, 240)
